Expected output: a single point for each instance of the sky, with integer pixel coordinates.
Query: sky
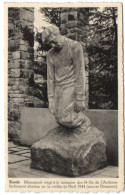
(39, 20)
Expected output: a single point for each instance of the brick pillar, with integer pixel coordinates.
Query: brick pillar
(75, 25)
(20, 66)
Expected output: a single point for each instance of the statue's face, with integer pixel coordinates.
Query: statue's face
(56, 43)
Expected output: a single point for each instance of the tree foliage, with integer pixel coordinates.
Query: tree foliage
(102, 50)
(52, 15)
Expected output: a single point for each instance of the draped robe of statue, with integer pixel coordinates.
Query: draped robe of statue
(66, 83)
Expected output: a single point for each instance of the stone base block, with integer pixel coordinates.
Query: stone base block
(70, 152)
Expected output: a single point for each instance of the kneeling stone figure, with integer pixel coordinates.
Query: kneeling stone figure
(75, 147)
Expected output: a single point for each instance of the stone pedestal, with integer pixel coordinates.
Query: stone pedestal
(70, 152)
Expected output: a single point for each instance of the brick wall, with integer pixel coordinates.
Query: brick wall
(20, 67)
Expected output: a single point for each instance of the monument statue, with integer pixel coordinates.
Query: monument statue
(75, 147)
(66, 79)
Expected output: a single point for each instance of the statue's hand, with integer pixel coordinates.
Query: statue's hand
(52, 107)
(79, 105)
